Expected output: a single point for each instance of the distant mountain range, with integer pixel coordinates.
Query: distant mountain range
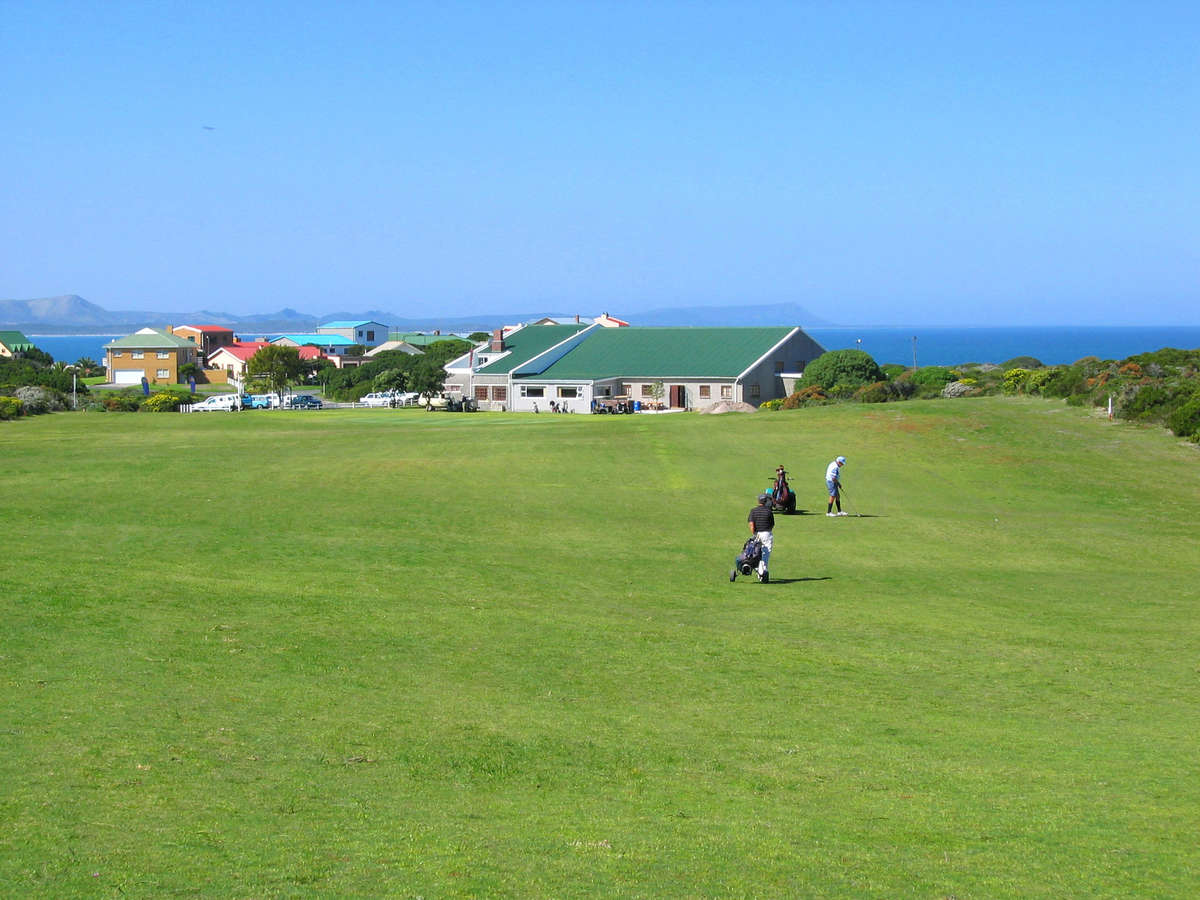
(72, 314)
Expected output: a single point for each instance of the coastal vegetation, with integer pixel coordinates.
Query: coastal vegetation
(1160, 387)
(271, 668)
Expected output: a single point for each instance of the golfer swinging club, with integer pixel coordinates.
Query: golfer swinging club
(833, 482)
(762, 522)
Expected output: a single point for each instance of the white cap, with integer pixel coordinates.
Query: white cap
(842, 460)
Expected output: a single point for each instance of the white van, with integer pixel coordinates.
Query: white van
(218, 403)
(379, 398)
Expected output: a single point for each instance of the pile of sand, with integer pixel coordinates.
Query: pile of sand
(729, 406)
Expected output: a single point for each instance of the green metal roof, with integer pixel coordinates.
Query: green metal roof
(150, 339)
(666, 353)
(15, 341)
(417, 339)
(528, 342)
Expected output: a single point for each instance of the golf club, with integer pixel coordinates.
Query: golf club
(853, 506)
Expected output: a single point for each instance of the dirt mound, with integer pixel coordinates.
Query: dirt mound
(729, 406)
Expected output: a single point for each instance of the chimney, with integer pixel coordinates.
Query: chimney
(437, 331)
(576, 318)
(497, 344)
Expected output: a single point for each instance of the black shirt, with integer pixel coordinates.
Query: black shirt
(762, 517)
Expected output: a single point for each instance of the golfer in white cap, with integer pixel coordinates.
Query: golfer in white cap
(833, 483)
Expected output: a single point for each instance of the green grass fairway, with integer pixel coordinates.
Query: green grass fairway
(390, 653)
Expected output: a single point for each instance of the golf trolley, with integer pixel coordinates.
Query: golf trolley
(783, 498)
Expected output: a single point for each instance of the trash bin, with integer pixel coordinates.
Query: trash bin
(637, 405)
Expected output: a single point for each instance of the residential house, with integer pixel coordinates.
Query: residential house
(675, 368)
(149, 353)
(329, 344)
(208, 338)
(369, 334)
(402, 346)
(235, 358)
(418, 339)
(13, 342)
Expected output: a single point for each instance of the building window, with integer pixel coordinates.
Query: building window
(500, 393)
(162, 373)
(568, 392)
(647, 390)
(705, 392)
(754, 390)
(138, 354)
(779, 365)
(163, 354)
(370, 335)
(116, 354)
(727, 392)
(481, 392)
(528, 391)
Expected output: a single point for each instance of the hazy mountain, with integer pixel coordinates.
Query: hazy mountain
(72, 314)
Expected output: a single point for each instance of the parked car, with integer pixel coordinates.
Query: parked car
(258, 401)
(379, 398)
(410, 398)
(219, 403)
(302, 401)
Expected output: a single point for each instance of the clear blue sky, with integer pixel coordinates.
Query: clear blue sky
(878, 163)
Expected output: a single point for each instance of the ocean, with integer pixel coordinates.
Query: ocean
(933, 346)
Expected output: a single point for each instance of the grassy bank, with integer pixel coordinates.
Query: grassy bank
(373, 652)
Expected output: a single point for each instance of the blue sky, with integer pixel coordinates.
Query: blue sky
(878, 163)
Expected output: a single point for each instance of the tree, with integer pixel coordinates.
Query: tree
(476, 337)
(389, 380)
(843, 369)
(276, 366)
(426, 377)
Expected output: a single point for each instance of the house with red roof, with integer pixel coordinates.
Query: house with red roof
(235, 358)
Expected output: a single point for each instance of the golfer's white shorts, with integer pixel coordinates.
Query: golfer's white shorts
(767, 540)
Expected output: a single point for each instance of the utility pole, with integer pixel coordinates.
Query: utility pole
(914, 353)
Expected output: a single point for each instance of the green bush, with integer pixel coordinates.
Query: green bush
(772, 405)
(10, 407)
(812, 395)
(932, 377)
(1022, 362)
(892, 371)
(1185, 420)
(843, 371)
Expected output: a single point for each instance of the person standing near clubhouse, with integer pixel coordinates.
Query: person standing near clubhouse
(762, 524)
(833, 483)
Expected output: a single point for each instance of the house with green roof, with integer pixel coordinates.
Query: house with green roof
(668, 368)
(13, 342)
(485, 372)
(151, 354)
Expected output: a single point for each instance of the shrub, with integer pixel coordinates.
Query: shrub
(1022, 362)
(879, 392)
(163, 401)
(892, 371)
(842, 370)
(932, 376)
(122, 401)
(37, 400)
(812, 395)
(773, 405)
(1185, 420)
(10, 407)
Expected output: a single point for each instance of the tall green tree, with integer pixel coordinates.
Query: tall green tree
(276, 367)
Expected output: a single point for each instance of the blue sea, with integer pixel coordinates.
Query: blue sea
(932, 346)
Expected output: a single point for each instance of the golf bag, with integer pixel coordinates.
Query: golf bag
(783, 499)
(748, 560)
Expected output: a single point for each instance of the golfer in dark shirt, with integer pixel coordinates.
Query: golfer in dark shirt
(762, 522)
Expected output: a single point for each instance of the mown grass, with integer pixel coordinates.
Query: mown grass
(379, 652)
